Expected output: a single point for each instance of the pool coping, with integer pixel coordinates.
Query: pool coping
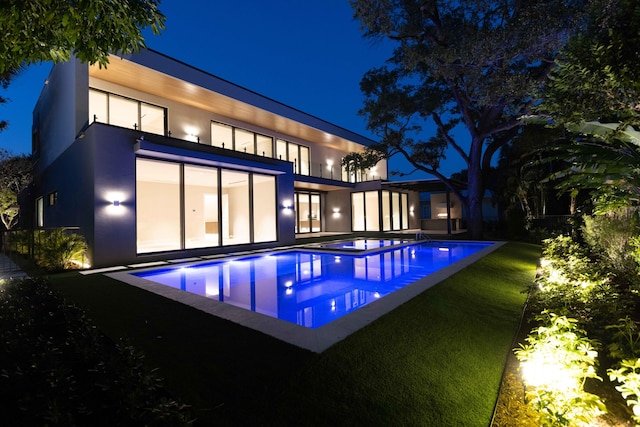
(316, 340)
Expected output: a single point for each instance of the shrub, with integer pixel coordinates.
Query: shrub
(58, 249)
(57, 369)
(610, 236)
(556, 362)
(628, 375)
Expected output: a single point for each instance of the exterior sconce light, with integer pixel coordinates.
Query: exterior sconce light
(336, 212)
(114, 203)
(286, 205)
(411, 210)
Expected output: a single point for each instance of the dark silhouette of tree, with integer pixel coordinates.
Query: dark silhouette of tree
(471, 65)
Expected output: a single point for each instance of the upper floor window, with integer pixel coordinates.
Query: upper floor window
(298, 154)
(232, 138)
(118, 110)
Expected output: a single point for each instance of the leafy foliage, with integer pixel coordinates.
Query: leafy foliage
(57, 369)
(557, 361)
(15, 176)
(609, 235)
(58, 249)
(470, 66)
(628, 375)
(50, 30)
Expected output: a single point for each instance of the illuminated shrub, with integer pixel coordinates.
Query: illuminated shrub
(555, 363)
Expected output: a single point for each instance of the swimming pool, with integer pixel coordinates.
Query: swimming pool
(311, 289)
(315, 290)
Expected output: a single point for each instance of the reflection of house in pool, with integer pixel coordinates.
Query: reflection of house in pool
(152, 158)
(311, 288)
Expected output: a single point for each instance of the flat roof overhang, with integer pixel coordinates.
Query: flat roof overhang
(158, 74)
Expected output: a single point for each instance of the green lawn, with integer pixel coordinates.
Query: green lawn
(434, 361)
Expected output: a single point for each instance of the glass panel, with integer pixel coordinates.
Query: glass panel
(98, 107)
(221, 135)
(316, 224)
(373, 216)
(235, 207)
(201, 223)
(281, 149)
(395, 210)
(264, 208)
(244, 141)
(264, 146)
(152, 119)
(357, 211)
(386, 211)
(404, 204)
(123, 112)
(293, 157)
(304, 160)
(157, 206)
(304, 213)
(296, 212)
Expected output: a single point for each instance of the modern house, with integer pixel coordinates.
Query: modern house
(153, 159)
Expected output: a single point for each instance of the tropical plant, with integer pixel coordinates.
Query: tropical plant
(609, 235)
(459, 67)
(357, 164)
(555, 364)
(58, 249)
(625, 339)
(628, 375)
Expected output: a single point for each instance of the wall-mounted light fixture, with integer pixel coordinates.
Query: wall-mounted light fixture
(192, 134)
(287, 206)
(115, 204)
(411, 210)
(336, 212)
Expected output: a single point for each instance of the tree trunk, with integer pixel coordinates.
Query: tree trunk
(475, 194)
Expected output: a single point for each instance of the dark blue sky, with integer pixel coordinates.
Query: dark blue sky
(307, 54)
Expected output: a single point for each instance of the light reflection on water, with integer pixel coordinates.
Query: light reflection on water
(312, 289)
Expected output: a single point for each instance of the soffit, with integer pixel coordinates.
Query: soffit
(129, 74)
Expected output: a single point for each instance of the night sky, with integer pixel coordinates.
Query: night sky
(307, 54)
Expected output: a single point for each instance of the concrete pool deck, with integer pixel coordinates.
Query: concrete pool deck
(316, 340)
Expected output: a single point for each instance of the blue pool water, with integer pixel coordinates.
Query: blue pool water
(361, 244)
(312, 289)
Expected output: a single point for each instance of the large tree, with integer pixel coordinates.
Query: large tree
(472, 65)
(51, 30)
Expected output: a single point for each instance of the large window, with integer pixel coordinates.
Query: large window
(182, 206)
(264, 208)
(308, 212)
(235, 207)
(371, 210)
(232, 138)
(118, 110)
(297, 154)
(157, 206)
(201, 207)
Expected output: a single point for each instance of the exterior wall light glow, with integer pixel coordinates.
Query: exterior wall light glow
(336, 212)
(287, 206)
(115, 205)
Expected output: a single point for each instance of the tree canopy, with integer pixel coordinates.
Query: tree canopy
(15, 176)
(594, 94)
(50, 30)
(473, 65)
